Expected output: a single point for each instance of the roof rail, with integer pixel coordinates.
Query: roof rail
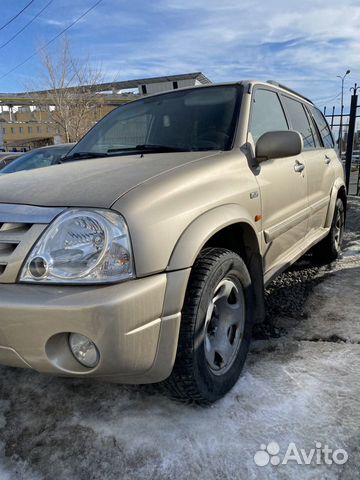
(277, 84)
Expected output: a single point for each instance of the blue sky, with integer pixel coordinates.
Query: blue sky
(302, 44)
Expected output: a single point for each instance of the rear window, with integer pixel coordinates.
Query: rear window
(323, 127)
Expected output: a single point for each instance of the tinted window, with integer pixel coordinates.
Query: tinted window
(267, 114)
(190, 120)
(323, 128)
(313, 128)
(299, 121)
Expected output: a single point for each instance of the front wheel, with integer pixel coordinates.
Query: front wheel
(215, 328)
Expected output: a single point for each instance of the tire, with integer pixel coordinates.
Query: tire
(213, 340)
(329, 248)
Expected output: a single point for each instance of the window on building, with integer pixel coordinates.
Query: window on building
(299, 121)
(175, 85)
(12, 130)
(21, 129)
(143, 89)
(4, 130)
(38, 129)
(267, 114)
(29, 129)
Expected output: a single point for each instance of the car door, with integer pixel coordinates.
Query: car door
(321, 171)
(282, 183)
(320, 174)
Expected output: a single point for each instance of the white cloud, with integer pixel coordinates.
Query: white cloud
(304, 44)
(229, 39)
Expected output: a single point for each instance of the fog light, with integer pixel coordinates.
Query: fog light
(38, 267)
(84, 350)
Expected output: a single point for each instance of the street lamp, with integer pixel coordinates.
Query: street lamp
(342, 108)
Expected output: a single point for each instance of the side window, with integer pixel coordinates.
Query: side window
(323, 127)
(267, 114)
(299, 121)
(313, 128)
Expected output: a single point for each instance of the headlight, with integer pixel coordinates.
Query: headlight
(82, 246)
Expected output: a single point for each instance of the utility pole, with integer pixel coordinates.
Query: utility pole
(350, 138)
(341, 109)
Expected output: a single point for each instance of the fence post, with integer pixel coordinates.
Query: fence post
(341, 130)
(350, 138)
(332, 117)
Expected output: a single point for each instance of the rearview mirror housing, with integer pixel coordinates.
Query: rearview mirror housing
(278, 144)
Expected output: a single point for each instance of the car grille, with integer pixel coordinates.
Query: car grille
(16, 239)
(20, 227)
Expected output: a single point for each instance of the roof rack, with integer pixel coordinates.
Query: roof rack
(277, 84)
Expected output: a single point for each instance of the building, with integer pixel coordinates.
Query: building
(26, 120)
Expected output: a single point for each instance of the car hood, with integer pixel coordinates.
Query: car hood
(89, 183)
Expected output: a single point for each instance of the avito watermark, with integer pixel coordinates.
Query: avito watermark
(320, 455)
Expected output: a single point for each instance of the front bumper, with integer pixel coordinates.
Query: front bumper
(134, 325)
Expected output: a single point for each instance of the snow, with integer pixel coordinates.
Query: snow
(301, 385)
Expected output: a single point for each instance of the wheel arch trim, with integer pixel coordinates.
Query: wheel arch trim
(197, 233)
(338, 185)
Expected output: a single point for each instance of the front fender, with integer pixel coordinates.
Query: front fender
(202, 229)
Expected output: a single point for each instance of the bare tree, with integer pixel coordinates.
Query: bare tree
(69, 91)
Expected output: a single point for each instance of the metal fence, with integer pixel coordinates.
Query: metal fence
(343, 126)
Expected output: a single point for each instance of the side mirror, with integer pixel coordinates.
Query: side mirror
(278, 144)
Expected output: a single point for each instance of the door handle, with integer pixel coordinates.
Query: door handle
(299, 167)
(327, 160)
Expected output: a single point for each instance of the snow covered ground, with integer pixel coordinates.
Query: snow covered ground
(301, 384)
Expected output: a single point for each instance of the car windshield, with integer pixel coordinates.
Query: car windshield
(185, 120)
(42, 157)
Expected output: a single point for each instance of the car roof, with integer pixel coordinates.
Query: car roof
(282, 88)
(247, 84)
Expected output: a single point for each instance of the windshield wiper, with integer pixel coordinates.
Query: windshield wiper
(149, 148)
(137, 149)
(82, 156)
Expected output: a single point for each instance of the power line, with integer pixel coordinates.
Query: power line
(325, 101)
(16, 16)
(25, 26)
(326, 97)
(52, 40)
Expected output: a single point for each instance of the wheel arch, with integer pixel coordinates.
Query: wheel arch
(230, 227)
(338, 191)
(342, 195)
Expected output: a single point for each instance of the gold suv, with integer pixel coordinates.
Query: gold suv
(143, 256)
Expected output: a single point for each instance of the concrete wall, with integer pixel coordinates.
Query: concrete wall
(164, 86)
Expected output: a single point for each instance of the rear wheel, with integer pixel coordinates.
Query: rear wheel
(329, 248)
(215, 328)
